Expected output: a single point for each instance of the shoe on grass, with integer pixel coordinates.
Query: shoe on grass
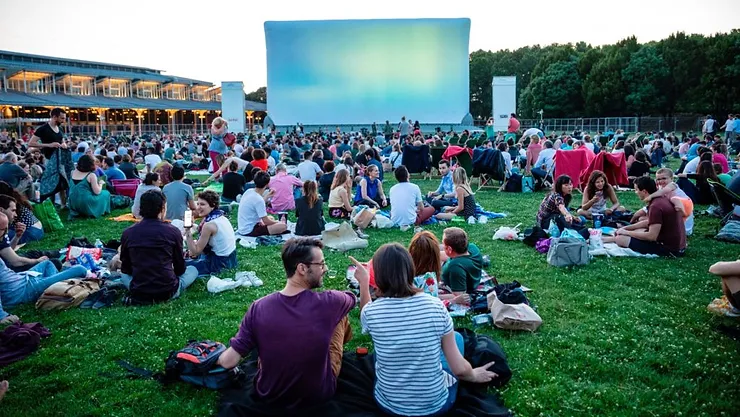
(732, 312)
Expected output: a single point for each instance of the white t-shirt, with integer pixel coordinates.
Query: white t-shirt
(403, 198)
(238, 149)
(589, 145)
(83, 144)
(252, 209)
(691, 167)
(152, 160)
(307, 170)
(533, 131)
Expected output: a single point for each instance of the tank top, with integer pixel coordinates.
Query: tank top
(468, 206)
(335, 200)
(599, 206)
(372, 189)
(224, 241)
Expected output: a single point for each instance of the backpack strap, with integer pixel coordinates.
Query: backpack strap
(141, 372)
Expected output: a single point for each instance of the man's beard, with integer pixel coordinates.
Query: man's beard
(315, 282)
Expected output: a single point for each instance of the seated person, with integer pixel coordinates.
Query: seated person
(462, 269)
(309, 211)
(326, 180)
(554, 206)
(679, 199)
(179, 195)
(151, 182)
(151, 159)
(24, 219)
(406, 385)
(595, 195)
(162, 274)
(164, 169)
(371, 158)
(259, 159)
(8, 254)
(216, 246)
(729, 272)
(370, 189)
(111, 172)
(252, 216)
(233, 184)
(544, 166)
(281, 187)
(340, 196)
(665, 234)
(701, 191)
(129, 168)
(16, 176)
(289, 376)
(463, 194)
(348, 164)
(407, 206)
(640, 166)
(445, 194)
(309, 169)
(425, 251)
(19, 288)
(86, 194)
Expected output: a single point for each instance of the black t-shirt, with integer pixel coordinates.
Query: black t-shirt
(233, 185)
(247, 173)
(638, 169)
(47, 135)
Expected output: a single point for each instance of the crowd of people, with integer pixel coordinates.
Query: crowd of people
(267, 175)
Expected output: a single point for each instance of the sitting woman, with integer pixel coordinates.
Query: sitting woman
(425, 251)
(554, 206)
(701, 193)
(340, 195)
(129, 168)
(595, 195)
(86, 194)
(326, 180)
(370, 189)
(465, 198)
(34, 230)
(164, 170)
(216, 246)
(151, 182)
(309, 211)
(639, 167)
(406, 385)
(259, 159)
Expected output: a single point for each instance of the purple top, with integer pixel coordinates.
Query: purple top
(292, 335)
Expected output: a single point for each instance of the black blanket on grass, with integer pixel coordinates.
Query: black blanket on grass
(354, 396)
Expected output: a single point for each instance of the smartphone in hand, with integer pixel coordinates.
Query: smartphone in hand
(188, 219)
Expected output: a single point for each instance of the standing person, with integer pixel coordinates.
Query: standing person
(216, 246)
(179, 195)
(309, 211)
(318, 319)
(217, 149)
(161, 275)
(49, 138)
(710, 126)
(729, 127)
(409, 383)
(407, 206)
(513, 124)
(404, 128)
(252, 216)
(388, 130)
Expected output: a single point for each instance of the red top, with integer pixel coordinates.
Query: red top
(260, 163)
(513, 124)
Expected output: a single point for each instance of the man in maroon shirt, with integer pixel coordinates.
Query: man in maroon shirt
(665, 234)
(299, 333)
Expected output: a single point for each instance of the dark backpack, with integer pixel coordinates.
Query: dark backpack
(480, 350)
(194, 364)
(513, 184)
(533, 235)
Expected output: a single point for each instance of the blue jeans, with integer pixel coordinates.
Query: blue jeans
(186, 279)
(31, 234)
(35, 286)
(211, 263)
(452, 390)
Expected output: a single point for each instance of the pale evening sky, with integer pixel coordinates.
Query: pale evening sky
(224, 41)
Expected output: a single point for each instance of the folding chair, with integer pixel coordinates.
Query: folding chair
(464, 160)
(436, 152)
(485, 180)
(726, 199)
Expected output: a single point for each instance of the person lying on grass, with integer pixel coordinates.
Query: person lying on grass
(729, 272)
(665, 234)
(20, 288)
(407, 385)
(216, 246)
(288, 375)
(595, 196)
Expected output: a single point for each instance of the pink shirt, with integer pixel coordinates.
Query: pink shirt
(513, 125)
(283, 185)
(718, 158)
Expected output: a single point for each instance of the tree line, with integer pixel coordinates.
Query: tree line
(682, 74)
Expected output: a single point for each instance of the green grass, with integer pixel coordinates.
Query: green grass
(623, 337)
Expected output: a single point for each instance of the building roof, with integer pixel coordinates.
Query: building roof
(14, 62)
(63, 100)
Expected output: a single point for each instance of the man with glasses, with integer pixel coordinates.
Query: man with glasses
(299, 333)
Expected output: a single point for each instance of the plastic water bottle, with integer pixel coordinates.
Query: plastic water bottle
(98, 244)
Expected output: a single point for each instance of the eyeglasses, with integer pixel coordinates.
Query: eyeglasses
(322, 263)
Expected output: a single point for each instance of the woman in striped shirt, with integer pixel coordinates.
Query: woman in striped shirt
(410, 331)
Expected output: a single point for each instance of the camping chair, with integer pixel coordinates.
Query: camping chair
(466, 162)
(726, 199)
(454, 141)
(485, 178)
(470, 143)
(410, 160)
(436, 154)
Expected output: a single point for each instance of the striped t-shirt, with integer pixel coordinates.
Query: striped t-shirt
(407, 334)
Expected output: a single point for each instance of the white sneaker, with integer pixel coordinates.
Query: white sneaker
(248, 279)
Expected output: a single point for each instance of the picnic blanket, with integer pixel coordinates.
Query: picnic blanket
(453, 150)
(128, 217)
(354, 395)
(612, 249)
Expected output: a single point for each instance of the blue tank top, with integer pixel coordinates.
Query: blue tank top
(372, 189)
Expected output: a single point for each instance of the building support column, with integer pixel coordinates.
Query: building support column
(250, 123)
(171, 113)
(139, 116)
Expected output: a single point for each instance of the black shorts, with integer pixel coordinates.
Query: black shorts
(652, 248)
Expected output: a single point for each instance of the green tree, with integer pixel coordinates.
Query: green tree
(718, 90)
(604, 91)
(557, 91)
(646, 78)
(259, 95)
(684, 56)
(481, 73)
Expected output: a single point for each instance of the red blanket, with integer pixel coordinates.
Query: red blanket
(452, 151)
(612, 165)
(572, 163)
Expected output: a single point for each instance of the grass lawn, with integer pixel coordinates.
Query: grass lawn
(621, 337)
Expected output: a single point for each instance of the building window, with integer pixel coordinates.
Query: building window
(31, 82)
(147, 90)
